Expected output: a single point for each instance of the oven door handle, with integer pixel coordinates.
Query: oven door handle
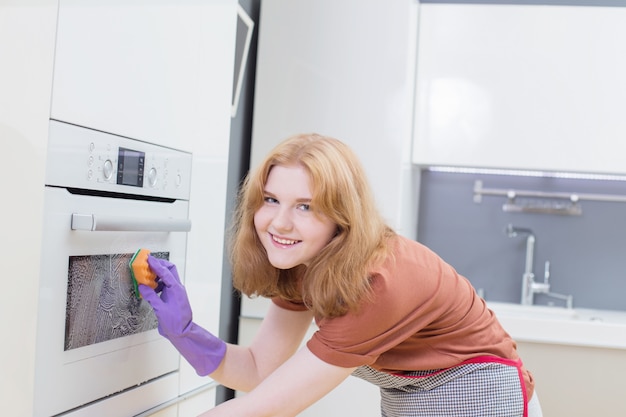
(97, 223)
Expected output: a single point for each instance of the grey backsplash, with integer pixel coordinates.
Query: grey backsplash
(587, 253)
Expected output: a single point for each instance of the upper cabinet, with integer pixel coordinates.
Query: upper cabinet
(156, 71)
(522, 87)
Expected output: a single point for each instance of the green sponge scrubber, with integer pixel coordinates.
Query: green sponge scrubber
(140, 271)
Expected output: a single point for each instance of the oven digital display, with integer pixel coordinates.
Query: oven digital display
(130, 167)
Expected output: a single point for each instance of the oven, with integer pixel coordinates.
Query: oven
(105, 197)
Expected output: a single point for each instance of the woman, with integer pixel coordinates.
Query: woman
(307, 235)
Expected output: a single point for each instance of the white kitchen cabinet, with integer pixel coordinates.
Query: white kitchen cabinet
(160, 72)
(197, 404)
(154, 71)
(521, 86)
(190, 405)
(577, 381)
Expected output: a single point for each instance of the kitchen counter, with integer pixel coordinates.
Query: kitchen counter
(557, 325)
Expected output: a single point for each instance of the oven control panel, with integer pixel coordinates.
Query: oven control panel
(89, 159)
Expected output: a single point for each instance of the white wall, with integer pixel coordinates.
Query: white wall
(343, 69)
(27, 32)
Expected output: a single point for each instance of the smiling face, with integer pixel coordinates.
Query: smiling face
(290, 230)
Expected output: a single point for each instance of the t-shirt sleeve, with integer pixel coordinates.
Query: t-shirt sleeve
(343, 352)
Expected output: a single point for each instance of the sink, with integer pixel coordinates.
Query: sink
(519, 310)
(578, 326)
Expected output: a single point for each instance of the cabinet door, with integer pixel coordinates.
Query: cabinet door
(157, 71)
(529, 87)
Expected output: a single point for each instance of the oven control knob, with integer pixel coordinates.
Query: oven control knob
(107, 170)
(152, 177)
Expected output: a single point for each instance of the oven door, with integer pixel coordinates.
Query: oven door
(95, 338)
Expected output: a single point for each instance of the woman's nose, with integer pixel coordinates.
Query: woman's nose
(282, 220)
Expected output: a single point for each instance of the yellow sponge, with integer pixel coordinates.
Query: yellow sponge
(140, 271)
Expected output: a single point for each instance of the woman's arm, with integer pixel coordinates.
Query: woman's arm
(279, 336)
(299, 382)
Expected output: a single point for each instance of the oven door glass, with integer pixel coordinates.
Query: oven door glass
(95, 337)
(101, 301)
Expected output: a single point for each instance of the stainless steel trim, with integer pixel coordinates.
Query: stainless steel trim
(572, 197)
(97, 223)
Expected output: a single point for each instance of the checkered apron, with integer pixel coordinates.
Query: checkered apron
(482, 387)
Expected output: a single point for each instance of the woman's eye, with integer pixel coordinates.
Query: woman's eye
(270, 200)
(304, 207)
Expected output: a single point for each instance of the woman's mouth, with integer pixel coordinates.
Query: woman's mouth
(283, 241)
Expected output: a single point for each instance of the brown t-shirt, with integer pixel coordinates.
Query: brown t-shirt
(423, 316)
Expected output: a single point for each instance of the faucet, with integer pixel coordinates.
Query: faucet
(568, 299)
(530, 287)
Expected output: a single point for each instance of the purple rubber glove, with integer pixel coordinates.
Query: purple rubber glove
(200, 348)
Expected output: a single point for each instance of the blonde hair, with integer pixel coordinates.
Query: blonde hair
(337, 279)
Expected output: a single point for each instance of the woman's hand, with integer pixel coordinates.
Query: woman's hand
(200, 348)
(172, 307)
